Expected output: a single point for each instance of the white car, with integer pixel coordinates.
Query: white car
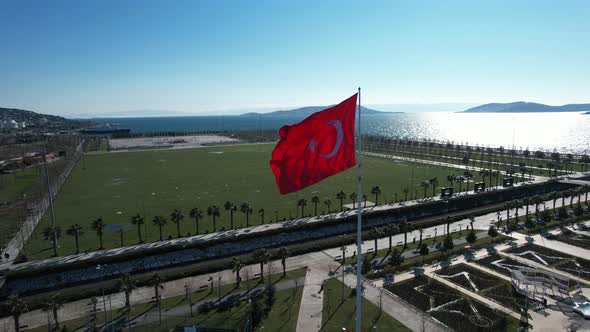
(582, 308)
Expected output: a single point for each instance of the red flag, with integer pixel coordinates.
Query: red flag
(318, 147)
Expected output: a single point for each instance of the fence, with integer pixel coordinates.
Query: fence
(37, 209)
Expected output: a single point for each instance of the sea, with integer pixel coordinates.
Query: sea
(564, 132)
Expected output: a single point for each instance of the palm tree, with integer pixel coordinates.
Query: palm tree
(420, 231)
(526, 202)
(261, 213)
(315, 200)
(537, 200)
(353, 197)
(302, 203)
(433, 182)
(246, 209)
(460, 180)
(236, 266)
(451, 179)
(160, 222)
(390, 231)
(554, 196)
(406, 191)
(52, 233)
(197, 215)
(328, 204)
(156, 281)
(138, 221)
(283, 255)
(229, 206)
(405, 227)
(376, 191)
(98, 226)
(176, 216)
(468, 176)
(425, 185)
(492, 232)
(213, 212)
(17, 307)
(375, 233)
(341, 196)
(508, 206)
(471, 221)
(127, 285)
(53, 304)
(262, 257)
(423, 248)
(76, 231)
(517, 205)
(364, 200)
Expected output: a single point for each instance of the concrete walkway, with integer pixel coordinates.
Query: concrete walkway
(312, 299)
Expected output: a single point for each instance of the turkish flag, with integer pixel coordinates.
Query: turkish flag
(318, 147)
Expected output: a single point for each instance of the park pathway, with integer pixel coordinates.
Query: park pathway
(310, 310)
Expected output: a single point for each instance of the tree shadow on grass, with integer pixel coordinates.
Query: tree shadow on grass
(330, 317)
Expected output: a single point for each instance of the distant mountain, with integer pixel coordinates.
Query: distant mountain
(420, 108)
(524, 107)
(13, 119)
(129, 114)
(307, 111)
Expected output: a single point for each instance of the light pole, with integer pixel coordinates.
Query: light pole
(219, 286)
(104, 303)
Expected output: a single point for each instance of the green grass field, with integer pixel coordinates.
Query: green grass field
(337, 315)
(119, 185)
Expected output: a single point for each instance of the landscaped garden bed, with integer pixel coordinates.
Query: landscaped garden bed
(482, 283)
(555, 259)
(450, 307)
(574, 239)
(500, 264)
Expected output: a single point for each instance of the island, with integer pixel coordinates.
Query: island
(526, 107)
(309, 110)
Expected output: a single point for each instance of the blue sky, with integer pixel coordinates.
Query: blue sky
(63, 57)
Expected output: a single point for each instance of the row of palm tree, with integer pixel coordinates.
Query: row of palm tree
(261, 257)
(537, 200)
(17, 306)
(553, 160)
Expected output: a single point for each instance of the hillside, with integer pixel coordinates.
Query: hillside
(14, 119)
(307, 111)
(524, 107)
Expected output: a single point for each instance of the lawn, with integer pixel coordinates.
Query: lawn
(118, 185)
(15, 188)
(337, 315)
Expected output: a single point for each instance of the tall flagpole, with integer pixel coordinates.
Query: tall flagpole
(359, 237)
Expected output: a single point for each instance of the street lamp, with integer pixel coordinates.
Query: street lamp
(104, 303)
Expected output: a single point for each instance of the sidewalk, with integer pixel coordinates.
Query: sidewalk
(312, 299)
